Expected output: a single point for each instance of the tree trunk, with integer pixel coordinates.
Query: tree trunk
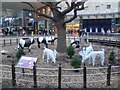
(61, 41)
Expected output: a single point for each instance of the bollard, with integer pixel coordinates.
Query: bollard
(23, 71)
(59, 76)
(13, 74)
(116, 43)
(32, 34)
(109, 43)
(108, 74)
(34, 76)
(10, 42)
(84, 77)
(16, 41)
(4, 42)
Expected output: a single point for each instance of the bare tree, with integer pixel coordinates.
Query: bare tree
(59, 18)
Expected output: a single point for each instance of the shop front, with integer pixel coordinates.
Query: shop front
(72, 27)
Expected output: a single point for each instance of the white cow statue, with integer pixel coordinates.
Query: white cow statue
(87, 51)
(92, 56)
(49, 54)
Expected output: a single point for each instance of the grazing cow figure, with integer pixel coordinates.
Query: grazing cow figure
(92, 56)
(45, 40)
(26, 43)
(49, 54)
(52, 39)
(75, 42)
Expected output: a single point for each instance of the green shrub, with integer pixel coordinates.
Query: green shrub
(76, 61)
(70, 51)
(112, 57)
(19, 53)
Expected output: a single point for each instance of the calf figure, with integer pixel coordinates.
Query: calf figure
(49, 54)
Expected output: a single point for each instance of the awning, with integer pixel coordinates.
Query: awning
(117, 25)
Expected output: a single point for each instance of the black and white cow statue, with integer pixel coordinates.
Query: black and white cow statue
(75, 42)
(45, 40)
(26, 43)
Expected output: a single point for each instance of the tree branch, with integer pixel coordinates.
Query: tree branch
(47, 4)
(47, 16)
(29, 5)
(40, 14)
(79, 6)
(69, 8)
(72, 18)
(29, 10)
(67, 4)
(57, 3)
(52, 5)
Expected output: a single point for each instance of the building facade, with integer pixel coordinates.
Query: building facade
(100, 15)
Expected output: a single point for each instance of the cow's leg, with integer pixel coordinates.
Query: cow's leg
(43, 57)
(38, 42)
(29, 48)
(53, 60)
(102, 60)
(93, 61)
(46, 45)
(38, 45)
(90, 60)
(52, 42)
(48, 58)
(20, 46)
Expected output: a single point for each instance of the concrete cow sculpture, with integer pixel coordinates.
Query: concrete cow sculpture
(26, 43)
(75, 42)
(45, 40)
(92, 56)
(49, 54)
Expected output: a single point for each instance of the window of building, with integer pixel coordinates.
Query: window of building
(43, 11)
(48, 10)
(109, 6)
(97, 7)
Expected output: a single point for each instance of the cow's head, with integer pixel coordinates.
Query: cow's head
(83, 54)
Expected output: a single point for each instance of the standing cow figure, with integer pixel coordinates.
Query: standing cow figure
(92, 56)
(26, 43)
(45, 40)
(86, 51)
